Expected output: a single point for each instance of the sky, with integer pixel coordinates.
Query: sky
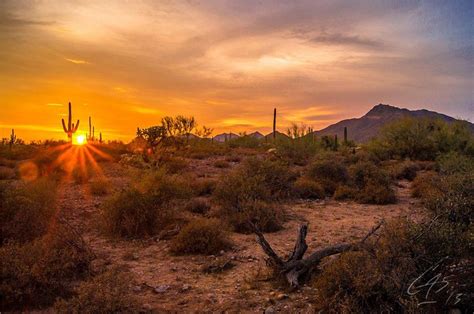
(228, 63)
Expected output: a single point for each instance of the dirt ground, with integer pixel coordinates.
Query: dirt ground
(164, 282)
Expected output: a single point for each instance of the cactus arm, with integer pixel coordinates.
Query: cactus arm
(69, 117)
(64, 126)
(77, 126)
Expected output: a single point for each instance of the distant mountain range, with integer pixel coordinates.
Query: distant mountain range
(368, 126)
(360, 129)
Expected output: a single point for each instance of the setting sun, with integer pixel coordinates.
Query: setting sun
(79, 140)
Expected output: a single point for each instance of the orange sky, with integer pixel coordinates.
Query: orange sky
(228, 63)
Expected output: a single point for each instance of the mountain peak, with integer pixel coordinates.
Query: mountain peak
(382, 109)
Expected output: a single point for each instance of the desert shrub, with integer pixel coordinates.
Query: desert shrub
(201, 236)
(7, 173)
(254, 179)
(174, 165)
(198, 205)
(296, 151)
(33, 275)
(405, 170)
(425, 185)
(131, 213)
(204, 186)
(7, 163)
(233, 158)
(99, 187)
(244, 193)
(81, 175)
(453, 163)
(134, 160)
(105, 293)
(144, 211)
(377, 278)
(330, 170)
(344, 192)
(221, 164)
(26, 210)
(422, 139)
(373, 184)
(308, 189)
(267, 217)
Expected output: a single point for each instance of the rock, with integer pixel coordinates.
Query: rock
(221, 252)
(282, 296)
(137, 288)
(161, 288)
(270, 310)
(146, 307)
(185, 288)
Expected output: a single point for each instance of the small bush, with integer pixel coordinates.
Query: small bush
(175, 165)
(426, 185)
(372, 183)
(7, 173)
(267, 217)
(344, 192)
(406, 170)
(377, 278)
(81, 176)
(221, 164)
(233, 158)
(133, 214)
(201, 236)
(33, 275)
(106, 293)
(99, 187)
(308, 189)
(203, 187)
(330, 171)
(198, 205)
(26, 210)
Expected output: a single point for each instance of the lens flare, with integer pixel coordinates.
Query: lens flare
(79, 140)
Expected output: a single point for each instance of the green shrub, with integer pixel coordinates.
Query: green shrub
(26, 210)
(33, 275)
(453, 163)
(198, 205)
(422, 139)
(308, 189)
(105, 293)
(201, 236)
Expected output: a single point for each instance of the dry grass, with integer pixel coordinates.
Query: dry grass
(198, 205)
(7, 173)
(99, 187)
(307, 188)
(201, 236)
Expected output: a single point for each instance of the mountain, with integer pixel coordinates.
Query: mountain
(368, 126)
(278, 134)
(257, 135)
(224, 137)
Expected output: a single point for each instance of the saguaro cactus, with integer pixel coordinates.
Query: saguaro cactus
(100, 137)
(335, 142)
(90, 129)
(274, 122)
(12, 138)
(93, 133)
(345, 135)
(71, 128)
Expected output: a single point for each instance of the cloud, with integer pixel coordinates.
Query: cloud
(54, 105)
(145, 110)
(10, 20)
(76, 61)
(346, 40)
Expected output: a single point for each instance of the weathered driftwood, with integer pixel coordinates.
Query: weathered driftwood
(296, 268)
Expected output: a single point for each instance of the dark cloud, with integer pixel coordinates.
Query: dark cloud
(323, 117)
(10, 20)
(346, 40)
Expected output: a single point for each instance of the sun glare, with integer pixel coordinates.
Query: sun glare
(79, 140)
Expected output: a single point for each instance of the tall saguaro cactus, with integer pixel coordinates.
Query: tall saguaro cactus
(100, 137)
(90, 129)
(345, 135)
(71, 128)
(12, 138)
(274, 122)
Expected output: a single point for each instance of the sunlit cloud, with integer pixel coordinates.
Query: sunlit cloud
(145, 110)
(54, 105)
(76, 61)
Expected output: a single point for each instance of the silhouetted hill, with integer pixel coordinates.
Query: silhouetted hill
(225, 137)
(368, 126)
